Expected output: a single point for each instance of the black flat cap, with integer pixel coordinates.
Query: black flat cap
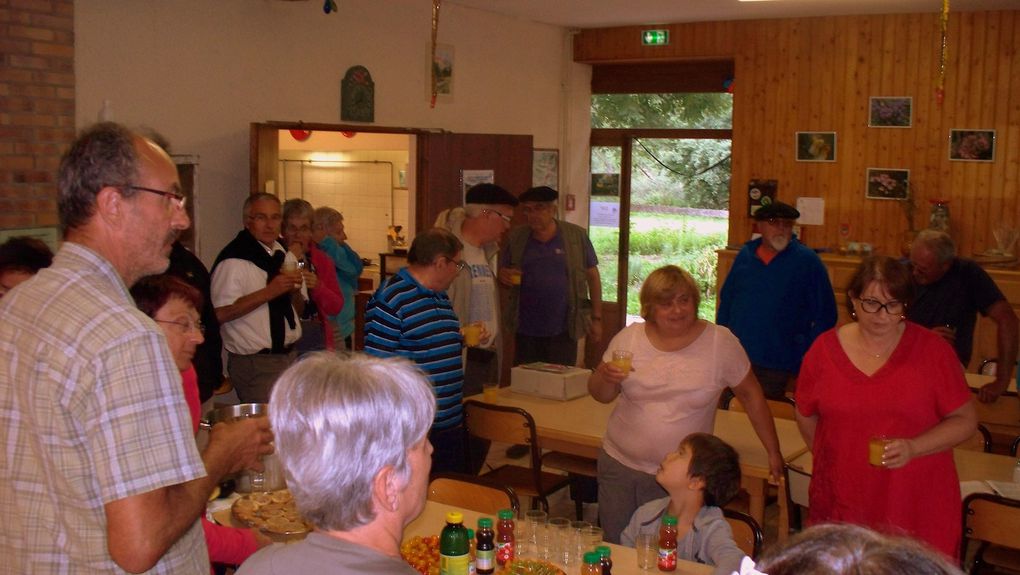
(776, 210)
(489, 194)
(539, 194)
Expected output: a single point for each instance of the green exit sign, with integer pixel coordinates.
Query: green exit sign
(655, 37)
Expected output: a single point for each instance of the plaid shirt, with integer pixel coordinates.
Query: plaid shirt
(91, 411)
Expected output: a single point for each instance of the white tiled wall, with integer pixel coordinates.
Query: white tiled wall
(361, 188)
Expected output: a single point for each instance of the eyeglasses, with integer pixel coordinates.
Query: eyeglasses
(263, 218)
(185, 325)
(780, 222)
(460, 264)
(178, 199)
(891, 307)
(505, 217)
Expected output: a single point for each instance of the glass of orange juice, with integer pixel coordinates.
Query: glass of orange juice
(472, 334)
(876, 449)
(515, 277)
(622, 359)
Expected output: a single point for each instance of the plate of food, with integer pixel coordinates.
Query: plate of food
(274, 513)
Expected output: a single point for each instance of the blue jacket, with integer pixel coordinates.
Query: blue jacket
(777, 310)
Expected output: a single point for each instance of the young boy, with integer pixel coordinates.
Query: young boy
(701, 476)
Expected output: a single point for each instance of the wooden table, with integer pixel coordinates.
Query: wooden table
(970, 465)
(577, 426)
(432, 519)
(1002, 416)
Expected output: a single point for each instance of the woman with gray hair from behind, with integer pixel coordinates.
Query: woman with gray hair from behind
(352, 436)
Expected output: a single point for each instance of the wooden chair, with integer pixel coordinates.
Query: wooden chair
(582, 473)
(994, 522)
(980, 441)
(515, 426)
(796, 482)
(472, 492)
(747, 533)
(784, 408)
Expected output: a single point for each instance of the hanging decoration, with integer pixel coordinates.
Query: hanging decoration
(435, 32)
(940, 87)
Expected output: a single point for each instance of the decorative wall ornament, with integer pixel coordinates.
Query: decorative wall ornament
(357, 95)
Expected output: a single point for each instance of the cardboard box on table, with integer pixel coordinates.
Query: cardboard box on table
(550, 380)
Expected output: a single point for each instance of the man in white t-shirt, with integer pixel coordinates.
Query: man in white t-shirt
(486, 215)
(255, 300)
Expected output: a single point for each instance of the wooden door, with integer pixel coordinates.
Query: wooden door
(442, 158)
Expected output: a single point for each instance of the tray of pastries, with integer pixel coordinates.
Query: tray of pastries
(273, 512)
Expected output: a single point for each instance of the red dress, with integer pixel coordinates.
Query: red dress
(920, 384)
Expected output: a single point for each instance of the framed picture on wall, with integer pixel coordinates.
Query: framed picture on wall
(545, 168)
(816, 146)
(972, 145)
(441, 69)
(887, 112)
(469, 178)
(887, 184)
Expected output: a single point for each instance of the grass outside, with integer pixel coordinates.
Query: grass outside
(657, 240)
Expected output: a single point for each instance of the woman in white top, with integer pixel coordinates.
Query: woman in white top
(681, 364)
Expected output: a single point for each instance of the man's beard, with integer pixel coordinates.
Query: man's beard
(779, 243)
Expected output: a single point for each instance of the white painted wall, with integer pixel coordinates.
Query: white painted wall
(199, 71)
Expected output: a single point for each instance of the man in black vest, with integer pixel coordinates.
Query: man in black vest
(255, 297)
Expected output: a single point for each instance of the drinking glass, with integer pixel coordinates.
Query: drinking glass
(646, 547)
(622, 360)
(558, 535)
(535, 520)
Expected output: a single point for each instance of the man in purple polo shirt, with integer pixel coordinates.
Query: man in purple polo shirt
(555, 289)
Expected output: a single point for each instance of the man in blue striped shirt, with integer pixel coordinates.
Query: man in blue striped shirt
(410, 316)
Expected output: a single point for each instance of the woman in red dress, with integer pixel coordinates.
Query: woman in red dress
(884, 377)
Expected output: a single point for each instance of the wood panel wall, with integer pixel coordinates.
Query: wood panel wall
(816, 74)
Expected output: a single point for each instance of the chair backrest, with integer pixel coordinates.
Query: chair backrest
(781, 408)
(981, 440)
(992, 519)
(1015, 446)
(797, 482)
(747, 533)
(472, 492)
(504, 424)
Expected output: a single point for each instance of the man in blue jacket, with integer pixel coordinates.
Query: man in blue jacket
(776, 299)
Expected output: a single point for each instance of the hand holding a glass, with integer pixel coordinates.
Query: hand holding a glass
(889, 453)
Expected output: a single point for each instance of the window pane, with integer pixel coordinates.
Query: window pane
(682, 111)
(604, 215)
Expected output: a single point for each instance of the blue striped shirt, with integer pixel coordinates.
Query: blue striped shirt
(408, 320)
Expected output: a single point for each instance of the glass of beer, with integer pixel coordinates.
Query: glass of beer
(472, 334)
(622, 359)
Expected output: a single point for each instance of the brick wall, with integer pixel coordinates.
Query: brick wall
(36, 107)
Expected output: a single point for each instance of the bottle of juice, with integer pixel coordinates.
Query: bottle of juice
(667, 543)
(453, 546)
(604, 559)
(485, 549)
(471, 552)
(591, 566)
(505, 537)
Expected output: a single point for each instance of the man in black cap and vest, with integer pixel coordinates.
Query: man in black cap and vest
(486, 215)
(552, 271)
(255, 297)
(776, 299)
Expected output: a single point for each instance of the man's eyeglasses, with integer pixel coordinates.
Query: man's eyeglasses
(186, 325)
(178, 199)
(505, 217)
(891, 307)
(263, 218)
(460, 264)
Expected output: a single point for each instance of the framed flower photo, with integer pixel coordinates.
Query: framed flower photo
(887, 184)
(972, 145)
(816, 146)
(890, 112)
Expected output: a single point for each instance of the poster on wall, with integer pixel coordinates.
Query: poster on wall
(760, 193)
(442, 71)
(545, 168)
(47, 235)
(605, 185)
(469, 178)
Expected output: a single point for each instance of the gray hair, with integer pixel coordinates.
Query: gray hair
(938, 243)
(103, 155)
(432, 244)
(250, 200)
(338, 421)
(326, 216)
(297, 208)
